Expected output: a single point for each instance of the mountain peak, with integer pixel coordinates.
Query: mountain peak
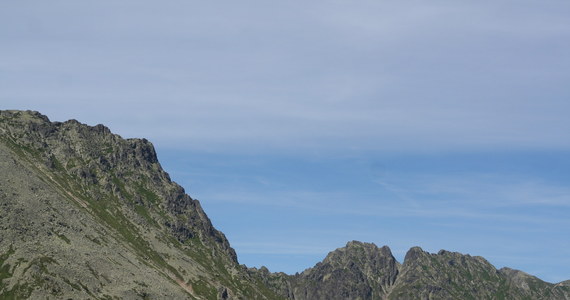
(414, 253)
(87, 195)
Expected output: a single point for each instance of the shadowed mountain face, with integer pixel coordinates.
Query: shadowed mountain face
(87, 214)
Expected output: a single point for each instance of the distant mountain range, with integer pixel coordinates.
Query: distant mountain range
(86, 214)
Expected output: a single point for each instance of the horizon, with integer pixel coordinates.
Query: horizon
(303, 126)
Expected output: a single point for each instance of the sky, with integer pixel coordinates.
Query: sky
(302, 125)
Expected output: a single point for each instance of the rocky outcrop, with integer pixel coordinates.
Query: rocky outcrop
(450, 275)
(357, 271)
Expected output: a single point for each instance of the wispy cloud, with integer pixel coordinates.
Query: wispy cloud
(475, 196)
(331, 76)
(490, 190)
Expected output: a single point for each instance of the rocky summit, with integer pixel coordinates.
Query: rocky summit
(86, 214)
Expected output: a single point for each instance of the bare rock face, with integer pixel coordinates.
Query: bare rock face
(358, 271)
(450, 275)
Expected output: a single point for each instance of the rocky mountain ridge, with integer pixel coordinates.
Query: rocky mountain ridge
(365, 271)
(77, 193)
(86, 214)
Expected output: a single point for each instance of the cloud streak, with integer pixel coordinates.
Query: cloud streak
(374, 76)
(473, 196)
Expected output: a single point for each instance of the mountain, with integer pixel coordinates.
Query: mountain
(86, 214)
(365, 271)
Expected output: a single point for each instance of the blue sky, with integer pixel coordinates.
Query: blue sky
(301, 126)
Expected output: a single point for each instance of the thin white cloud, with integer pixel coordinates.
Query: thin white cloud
(490, 190)
(319, 76)
(475, 196)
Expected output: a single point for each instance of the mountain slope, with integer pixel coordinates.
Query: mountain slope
(87, 213)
